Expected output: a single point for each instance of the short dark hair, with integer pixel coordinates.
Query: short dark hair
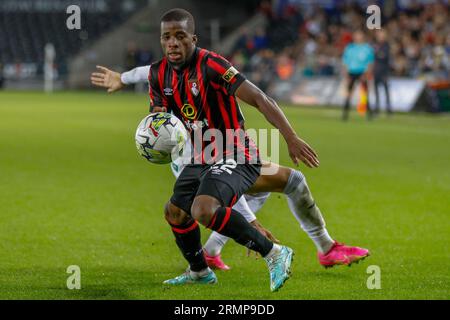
(179, 15)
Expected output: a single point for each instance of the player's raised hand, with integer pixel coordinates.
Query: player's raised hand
(299, 150)
(106, 78)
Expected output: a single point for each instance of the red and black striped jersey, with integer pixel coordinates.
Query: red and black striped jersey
(202, 94)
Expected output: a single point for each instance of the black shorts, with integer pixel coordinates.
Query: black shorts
(353, 78)
(225, 182)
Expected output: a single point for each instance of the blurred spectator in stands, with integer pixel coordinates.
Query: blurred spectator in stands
(1, 75)
(260, 40)
(358, 61)
(240, 61)
(417, 35)
(131, 60)
(285, 67)
(262, 65)
(144, 56)
(447, 56)
(412, 52)
(324, 56)
(246, 43)
(131, 56)
(441, 58)
(315, 25)
(381, 69)
(266, 8)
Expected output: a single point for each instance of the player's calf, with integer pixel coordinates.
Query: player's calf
(228, 222)
(187, 237)
(293, 184)
(232, 224)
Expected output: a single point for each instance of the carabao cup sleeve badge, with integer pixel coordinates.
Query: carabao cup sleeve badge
(230, 74)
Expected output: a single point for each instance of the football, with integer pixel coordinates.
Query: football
(161, 137)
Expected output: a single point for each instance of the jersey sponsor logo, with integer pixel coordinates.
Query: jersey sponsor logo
(189, 111)
(168, 91)
(230, 74)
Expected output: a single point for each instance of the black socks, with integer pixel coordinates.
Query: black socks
(187, 237)
(232, 224)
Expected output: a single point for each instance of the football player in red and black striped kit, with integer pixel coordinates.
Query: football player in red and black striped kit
(200, 87)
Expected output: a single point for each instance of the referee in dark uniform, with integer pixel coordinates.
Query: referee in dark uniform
(381, 70)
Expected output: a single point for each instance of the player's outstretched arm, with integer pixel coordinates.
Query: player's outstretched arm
(299, 150)
(115, 81)
(106, 78)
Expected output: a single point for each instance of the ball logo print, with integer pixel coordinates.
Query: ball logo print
(156, 124)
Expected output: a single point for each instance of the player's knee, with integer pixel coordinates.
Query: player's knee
(203, 209)
(286, 173)
(292, 180)
(173, 214)
(284, 177)
(201, 213)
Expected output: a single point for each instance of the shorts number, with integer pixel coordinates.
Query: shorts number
(229, 164)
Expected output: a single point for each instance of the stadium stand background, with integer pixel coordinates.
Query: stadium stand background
(302, 41)
(26, 26)
(282, 45)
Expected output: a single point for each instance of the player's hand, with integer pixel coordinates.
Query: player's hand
(108, 79)
(159, 109)
(299, 150)
(264, 232)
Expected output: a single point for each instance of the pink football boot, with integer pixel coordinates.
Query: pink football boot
(340, 254)
(215, 262)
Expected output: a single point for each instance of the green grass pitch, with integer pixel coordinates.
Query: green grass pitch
(73, 191)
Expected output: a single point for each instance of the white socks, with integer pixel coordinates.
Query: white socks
(256, 201)
(200, 274)
(303, 208)
(275, 249)
(247, 205)
(215, 243)
(306, 212)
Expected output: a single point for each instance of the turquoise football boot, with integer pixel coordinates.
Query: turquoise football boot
(280, 267)
(187, 278)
